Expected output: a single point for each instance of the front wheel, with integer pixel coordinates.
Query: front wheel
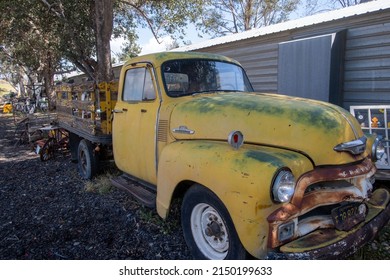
(208, 228)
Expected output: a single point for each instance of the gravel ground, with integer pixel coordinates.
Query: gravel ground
(48, 212)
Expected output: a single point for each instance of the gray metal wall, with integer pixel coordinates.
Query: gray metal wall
(259, 60)
(367, 66)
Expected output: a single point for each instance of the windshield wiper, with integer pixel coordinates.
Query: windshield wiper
(215, 90)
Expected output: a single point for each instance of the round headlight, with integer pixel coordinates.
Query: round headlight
(378, 149)
(284, 186)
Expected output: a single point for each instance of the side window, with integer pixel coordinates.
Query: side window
(149, 92)
(138, 85)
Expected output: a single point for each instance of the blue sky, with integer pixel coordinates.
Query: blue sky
(149, 43)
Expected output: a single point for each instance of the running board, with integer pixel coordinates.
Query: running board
(143, 194)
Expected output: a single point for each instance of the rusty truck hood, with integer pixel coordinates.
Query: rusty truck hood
(310, 127)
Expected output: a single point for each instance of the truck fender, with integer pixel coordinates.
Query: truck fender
(241, 179)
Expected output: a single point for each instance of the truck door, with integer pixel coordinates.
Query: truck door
(134, 125)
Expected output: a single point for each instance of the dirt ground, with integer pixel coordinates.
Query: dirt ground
(48, 212)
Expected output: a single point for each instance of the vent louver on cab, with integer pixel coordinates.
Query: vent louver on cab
(162, 133)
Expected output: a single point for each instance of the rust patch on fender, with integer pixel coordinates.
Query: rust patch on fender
(302, 202)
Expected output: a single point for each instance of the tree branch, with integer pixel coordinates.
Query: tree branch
(50, 6)
(144, 16)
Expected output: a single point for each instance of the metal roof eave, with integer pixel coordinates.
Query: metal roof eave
(365, 8)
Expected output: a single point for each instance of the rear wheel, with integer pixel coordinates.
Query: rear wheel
(74, 142)
(87, 159)
(208, 228)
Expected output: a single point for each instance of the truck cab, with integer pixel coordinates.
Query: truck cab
(259, 174)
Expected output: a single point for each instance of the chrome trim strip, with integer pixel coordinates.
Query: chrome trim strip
(183, 130)
(350, 123)
(151, 68)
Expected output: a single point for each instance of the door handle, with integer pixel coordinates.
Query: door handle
(119, 110)
(143, 110)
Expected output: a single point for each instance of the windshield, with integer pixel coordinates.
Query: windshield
(191, 76)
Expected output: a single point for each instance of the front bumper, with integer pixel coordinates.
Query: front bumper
(334, 244)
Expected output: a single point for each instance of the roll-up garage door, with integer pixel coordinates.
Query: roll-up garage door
(367, 66)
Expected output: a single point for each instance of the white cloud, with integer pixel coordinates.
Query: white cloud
(150, 46)
(153, 46)
(116, 45)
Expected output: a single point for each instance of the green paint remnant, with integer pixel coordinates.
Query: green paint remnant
(265, 157)
(161, 56)
(205, 146)
(255, 106)
(315, 116)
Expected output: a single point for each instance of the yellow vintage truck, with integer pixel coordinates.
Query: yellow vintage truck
(261, 175)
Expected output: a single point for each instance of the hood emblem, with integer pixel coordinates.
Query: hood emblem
(236, 139)
(183, 130)
(355, 147)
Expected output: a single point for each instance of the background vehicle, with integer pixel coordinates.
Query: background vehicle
(261, 174)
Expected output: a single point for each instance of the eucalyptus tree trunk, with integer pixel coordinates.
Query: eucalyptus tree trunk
(48, 77)
(104, 26)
